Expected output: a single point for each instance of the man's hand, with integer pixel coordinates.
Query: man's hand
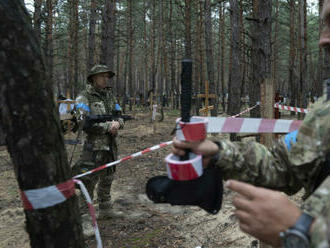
(206, 148)
(114, 127)
(263, 213)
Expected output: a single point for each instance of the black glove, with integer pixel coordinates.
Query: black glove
(205, 191)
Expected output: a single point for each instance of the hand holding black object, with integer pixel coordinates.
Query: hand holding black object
(205, 191)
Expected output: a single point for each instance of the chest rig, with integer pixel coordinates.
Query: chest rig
(103, 97)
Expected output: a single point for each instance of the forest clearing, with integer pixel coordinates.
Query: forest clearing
(243, 86)
(146, 224)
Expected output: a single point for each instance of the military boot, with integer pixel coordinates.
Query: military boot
(87, 226)
(107, 212)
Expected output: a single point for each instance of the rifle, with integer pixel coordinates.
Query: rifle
(91, 119)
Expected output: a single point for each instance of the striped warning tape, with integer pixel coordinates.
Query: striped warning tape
(47, 196)
(91, 211)
(251, 125)
(220, 125)
(293, 109)
(52, 195)
(134, 155)
(245, 111)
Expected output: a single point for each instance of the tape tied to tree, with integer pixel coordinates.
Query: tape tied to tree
(47, 196)
(52, 195)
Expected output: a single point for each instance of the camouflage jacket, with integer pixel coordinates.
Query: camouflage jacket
(99, 102)
(289, 165)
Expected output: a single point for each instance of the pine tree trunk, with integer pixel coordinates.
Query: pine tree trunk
(234, 101)
(153, 45)
(302, 103)
(242, 49)
(275, 47)
(130, 51)
(222, 49)
(187, 23)
(145, 56)
(209, 55)
(172, 55)
(37, 19)
(75, 48)
(49, 40)
(35, 145)
(254, 89)
(292, 57)
(161, 49)
(91, 36)
(319, 81)
(108, 34)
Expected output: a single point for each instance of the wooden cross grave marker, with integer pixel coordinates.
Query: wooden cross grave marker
(206, 108)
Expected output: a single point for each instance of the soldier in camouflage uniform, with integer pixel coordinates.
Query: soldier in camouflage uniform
(100, 146)
(298, 160)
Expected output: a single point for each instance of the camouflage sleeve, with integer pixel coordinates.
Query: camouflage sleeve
(121, 123)
(318, 205)
(253, 163)
(287, 166)
(84, 109)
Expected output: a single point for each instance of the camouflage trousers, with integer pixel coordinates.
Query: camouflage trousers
(104, 177)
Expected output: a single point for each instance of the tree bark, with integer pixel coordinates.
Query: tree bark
(91, 35)
(254, 89)
(302, 103)
(292, 58)
(209, 55)
(130, 50)
(108, 34)
(37, 19)
(187, 23)
(172, 54)
(234, 101)
(49, 48)
(36, 144)
(319, 81)
(73, 47)
(275, 47)
(222, 31)
(152, 47)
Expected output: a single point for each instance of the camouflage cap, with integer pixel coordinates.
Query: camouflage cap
(99, 69)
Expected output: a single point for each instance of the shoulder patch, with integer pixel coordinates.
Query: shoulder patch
(290, 138)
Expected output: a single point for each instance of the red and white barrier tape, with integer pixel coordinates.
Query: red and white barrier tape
(293, 109)
(245, 111)
(55, 194)
(134, 155)
(184, 170)
(47, 196)
(91, 211)
(251, 125)
(195, 130)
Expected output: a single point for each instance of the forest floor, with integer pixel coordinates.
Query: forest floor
(145, 224)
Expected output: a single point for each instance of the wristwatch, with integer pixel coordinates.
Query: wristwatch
(298, 234)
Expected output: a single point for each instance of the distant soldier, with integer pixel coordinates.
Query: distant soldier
(100, 146)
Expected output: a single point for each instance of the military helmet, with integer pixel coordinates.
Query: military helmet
(99, 69)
